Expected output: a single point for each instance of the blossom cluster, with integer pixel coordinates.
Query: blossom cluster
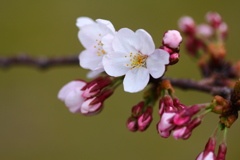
(123, 52)
(130, 58)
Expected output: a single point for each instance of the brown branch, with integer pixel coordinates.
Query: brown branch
(190, 84)
(39, 62)
(44, 62)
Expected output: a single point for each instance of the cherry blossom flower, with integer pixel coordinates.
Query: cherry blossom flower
(135, 57)
(71, 94)
(93, 35)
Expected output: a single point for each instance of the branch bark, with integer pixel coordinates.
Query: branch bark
(47, 62)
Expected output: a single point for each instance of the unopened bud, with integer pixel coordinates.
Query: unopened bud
(223, 29)
(187, 25)
(214, 19)
(145, 119)
(204, 30)
(222, 150)
(137, 109)
(132, 124)
(172, 39)
(174, 58)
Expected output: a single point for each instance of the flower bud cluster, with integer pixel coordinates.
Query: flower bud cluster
(140, 119)
(171, 42)
(86, 98)
(177, 118)
(208, 153)
(198, 36)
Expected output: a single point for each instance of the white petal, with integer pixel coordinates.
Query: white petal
(95, 73)
(115, 64)
(107, 23)
(107, 43)
(82, 21)
(136, 80)
(146, 42)
(89, 35)
(89, 59)
(126, 41)
(74, 100)
(67, 88)
(156, 63)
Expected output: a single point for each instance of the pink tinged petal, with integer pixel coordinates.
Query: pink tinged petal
(74, 100)
(115, 64)
(89, 35)
(146, 45)
(179, 132)
(66, 89)
(204, 30)
(106, 23)
(88, 59)
(82, 21)
(126, 41)
(136, 79)
(209, 156)
(200, 156)
(132, 124)
(95, 73)
(156, 63)
(88, 93)
(88, 108)
(165, 134)
(172, 39)
(179, 120)
(165, 123)
(107, 41)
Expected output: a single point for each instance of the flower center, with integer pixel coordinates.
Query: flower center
(137, 60)
(99, 45)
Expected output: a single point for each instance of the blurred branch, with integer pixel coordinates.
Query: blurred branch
(46, 62)
(190, 84)
(39, 62)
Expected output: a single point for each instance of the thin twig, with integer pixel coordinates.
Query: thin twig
(190, 84)
(39, 62)
(46, 62)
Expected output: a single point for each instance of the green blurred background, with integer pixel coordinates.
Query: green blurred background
(35, 125)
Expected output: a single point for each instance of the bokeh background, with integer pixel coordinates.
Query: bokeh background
(35, 125)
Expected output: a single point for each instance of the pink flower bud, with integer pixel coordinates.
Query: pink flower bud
(209, 156)
(214, 19)
(174, 58)
(132, 124)
(94, 105)
(165, 134)
(103, 96)
(95, 86)
(185, 115)
(166, 104)
(91, 109)
(165, 48)
(166, 123)
(172, 39)
(187, 25)
(178, 105)
(193, 45)
(89, 93)
(223, 28)
(184, 132)
(137, 109)
(71, 95)
(145, 119)
(222, 150)
(204, 30)
(208, 153)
